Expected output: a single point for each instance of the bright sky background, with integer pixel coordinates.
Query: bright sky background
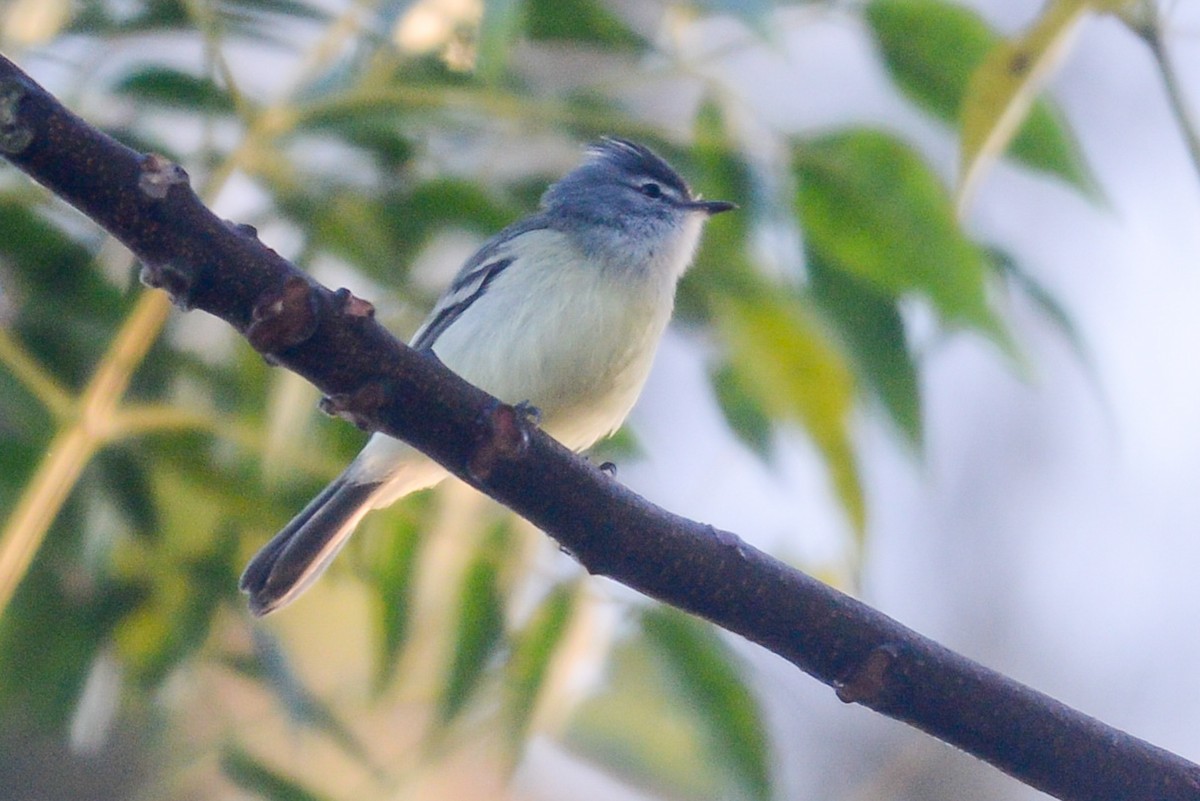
(1052, 530)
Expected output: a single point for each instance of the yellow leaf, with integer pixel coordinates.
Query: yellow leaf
(1120, 7)
(798, 375)
(1003, 88)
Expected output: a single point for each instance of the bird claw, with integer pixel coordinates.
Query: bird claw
(530, 412)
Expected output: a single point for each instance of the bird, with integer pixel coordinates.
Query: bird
(561, 311)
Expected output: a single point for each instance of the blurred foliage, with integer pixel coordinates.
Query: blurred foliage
(366, 138)
(934, 51)
(708, 739)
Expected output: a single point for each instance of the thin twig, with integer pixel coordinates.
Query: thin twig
(44, 495)
(76, 443)
(34, 377)
(1148, 25)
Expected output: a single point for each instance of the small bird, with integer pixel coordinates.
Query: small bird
(562, 310)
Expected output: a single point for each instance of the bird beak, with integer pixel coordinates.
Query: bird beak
(711, 207)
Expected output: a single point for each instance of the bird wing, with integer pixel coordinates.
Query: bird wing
(473, 280)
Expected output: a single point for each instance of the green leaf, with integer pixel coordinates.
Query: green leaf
(618, 448)
(253, 19)
(25, 428)
(68, 310)
(709, 676)
(184, 619)
(104, 18)
(268, 19)
(373, 127)
(436, 204)
(124, 474)
(782, 360)
(381, 236)
(172, 88)
(349, 225)
(930, 48)
(290, 9)
(187, 460)
(1046, 142)
(300, 704)
(933, 47)
(583, 21)
(641, 726)
(395, 564)
(530, 661)
(871, 207)
(871, 327)
(1049, 305)
(743, 412)
(753, 12)
(54, 627)
(480, 625)
(498, 31)
(719, 171)
(252, 774)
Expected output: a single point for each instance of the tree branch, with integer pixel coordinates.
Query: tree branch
(369, 377)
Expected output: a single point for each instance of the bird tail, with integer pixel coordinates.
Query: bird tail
(385, 471)
(300, 552)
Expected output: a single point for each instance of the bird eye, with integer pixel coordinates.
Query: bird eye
(650, 189)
